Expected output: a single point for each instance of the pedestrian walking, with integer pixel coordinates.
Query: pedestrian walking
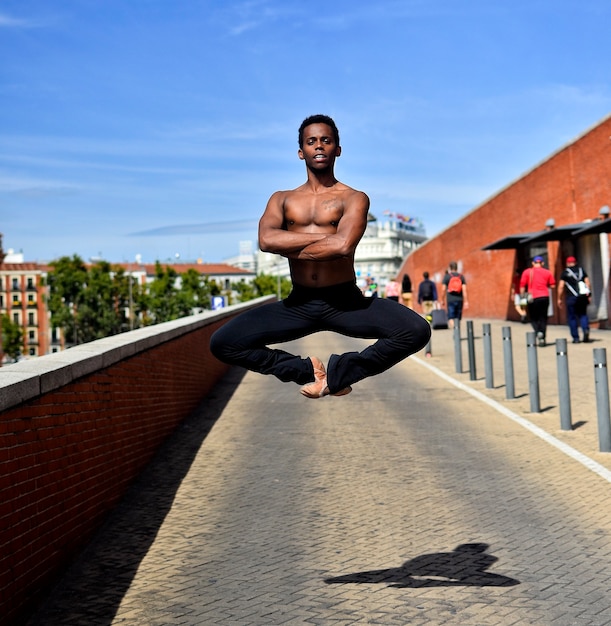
(427, 295)
(454, 288)
(574, 286)
(535, 284)
(406, 291)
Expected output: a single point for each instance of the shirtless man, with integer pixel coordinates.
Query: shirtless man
(317, 226)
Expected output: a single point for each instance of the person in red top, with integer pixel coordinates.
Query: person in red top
(536, 281)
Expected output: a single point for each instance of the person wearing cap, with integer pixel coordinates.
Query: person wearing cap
(574, 284)
(536, 282)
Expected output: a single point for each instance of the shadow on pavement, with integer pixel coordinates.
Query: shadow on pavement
(91, 591)
(466, 565)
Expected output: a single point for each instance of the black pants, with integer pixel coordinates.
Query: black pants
(537, 311)
(340, 308)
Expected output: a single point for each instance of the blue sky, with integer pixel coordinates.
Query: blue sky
(161, 127)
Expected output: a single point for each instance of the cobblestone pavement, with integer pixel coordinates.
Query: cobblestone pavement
(409, 501)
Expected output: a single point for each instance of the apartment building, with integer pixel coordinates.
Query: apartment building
(22, 298)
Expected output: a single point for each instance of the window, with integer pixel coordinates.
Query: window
(15, 283)
(31, 283)
(31, 321)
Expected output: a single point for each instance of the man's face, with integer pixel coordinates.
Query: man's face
(319, 148)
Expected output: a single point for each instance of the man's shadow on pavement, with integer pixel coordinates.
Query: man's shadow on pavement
(466, 565)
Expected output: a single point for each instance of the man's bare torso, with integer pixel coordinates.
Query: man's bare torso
(308, 212)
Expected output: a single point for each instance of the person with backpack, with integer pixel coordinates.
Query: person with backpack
(575, 285)
(427, 294)
(454, 288)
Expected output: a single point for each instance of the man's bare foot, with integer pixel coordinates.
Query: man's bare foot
(319, 388)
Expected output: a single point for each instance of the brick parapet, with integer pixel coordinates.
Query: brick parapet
(76, 428)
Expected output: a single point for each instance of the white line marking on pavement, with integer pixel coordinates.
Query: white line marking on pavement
(592, 465)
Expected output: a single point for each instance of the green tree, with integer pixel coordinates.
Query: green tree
(12, 337)
(66, 283)
(262, 285)
(267, 285)
(163, 304)
(246, 291)
(91, 302)
(87, 303)
(103, 311)
(194, 292)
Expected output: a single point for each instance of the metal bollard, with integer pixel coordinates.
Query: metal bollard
(428, 349)
(533, 373)
(488, 356)
(457, 348)
(602, 399)
(564, 390)
(471, 351)
(510, 388)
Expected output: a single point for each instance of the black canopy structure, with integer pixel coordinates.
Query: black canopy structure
(510, 242)
(557, 233)
(594, 228)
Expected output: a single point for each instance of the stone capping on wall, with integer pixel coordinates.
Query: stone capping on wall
(29, 379)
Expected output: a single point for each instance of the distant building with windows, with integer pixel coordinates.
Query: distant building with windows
(22, 298)
(385, 245)
(246, 259)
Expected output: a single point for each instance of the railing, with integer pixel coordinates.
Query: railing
(76, 427)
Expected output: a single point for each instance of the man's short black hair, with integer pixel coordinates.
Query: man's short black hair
(318, 119)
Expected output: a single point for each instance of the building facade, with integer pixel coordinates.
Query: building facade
(22, 299)
(557, 209)
(385, 245)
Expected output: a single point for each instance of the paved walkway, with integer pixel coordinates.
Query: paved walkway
(417, 499)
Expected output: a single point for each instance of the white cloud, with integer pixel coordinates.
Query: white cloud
(33, 186)
(7, 21)
(254, 14)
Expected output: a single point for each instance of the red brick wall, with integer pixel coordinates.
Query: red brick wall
(570, 186)
(67, 457)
